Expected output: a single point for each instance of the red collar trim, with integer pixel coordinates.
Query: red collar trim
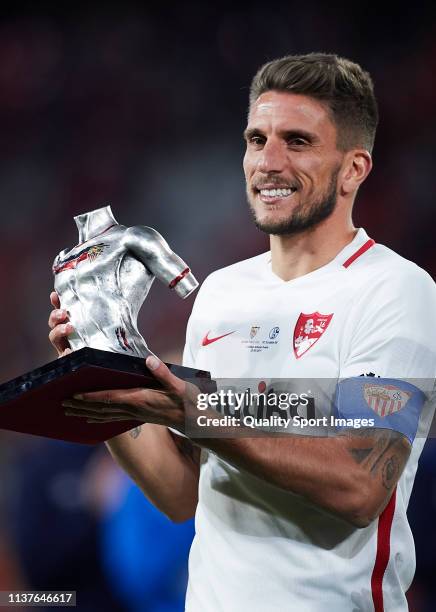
(368, 244)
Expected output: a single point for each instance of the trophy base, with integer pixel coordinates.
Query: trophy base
(32, 403)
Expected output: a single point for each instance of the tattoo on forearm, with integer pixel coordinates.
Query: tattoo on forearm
(382, 452)
(391, 470)
(360, 454)
(134, 433)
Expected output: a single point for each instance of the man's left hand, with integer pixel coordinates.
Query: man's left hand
(160, 406)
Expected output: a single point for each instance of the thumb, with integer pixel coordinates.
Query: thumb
(163, 375)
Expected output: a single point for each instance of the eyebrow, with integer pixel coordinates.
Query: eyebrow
(296, 133)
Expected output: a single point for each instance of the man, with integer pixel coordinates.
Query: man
(296, 522)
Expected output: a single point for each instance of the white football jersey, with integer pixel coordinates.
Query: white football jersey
(258, 548)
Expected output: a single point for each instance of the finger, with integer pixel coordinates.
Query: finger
(94, 407)
(132, 397)
(168, 379)
(54, 299)
(98, 408)
(111, 420)
(101, 412)
(102, 417)
(57, 316)
(151, 405)
(58, 336)
(121, 416)
(138, 402)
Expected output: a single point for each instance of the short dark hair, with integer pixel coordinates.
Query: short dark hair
(345, 88)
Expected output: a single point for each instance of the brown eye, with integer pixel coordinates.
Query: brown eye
(257, 140)
(299, 142)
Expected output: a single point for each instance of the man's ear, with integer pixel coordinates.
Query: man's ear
(357, 165)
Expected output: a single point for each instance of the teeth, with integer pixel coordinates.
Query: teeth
(273, 193)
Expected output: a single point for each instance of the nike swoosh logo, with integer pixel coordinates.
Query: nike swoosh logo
(207, 340)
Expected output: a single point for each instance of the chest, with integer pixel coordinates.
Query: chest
(94, 259)
(273, 329)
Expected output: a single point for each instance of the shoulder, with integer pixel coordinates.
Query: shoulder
(141, 231)
(383, 271)
(389, 326)
(142, 236)
(392, 297)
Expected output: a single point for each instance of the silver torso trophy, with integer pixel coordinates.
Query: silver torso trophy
(103, 281)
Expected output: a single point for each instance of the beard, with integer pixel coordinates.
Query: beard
(306, 215)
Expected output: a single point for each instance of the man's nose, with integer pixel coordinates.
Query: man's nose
(272, 158)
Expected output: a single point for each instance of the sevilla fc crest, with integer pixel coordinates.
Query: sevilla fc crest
(308, 330)
(385, 399)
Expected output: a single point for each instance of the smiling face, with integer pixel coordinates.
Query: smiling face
(291, 163)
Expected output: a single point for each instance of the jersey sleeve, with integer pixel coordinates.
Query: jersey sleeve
(391, 331)
(388, 366)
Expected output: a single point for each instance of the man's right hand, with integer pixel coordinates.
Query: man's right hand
(60, 327)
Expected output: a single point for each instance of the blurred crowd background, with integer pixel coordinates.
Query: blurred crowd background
(144, 108)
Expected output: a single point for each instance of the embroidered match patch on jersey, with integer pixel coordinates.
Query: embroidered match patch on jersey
(308, 330)
(390, 403)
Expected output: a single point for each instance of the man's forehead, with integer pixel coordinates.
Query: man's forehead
(282, 107)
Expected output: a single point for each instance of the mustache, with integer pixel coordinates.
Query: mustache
(273, 182)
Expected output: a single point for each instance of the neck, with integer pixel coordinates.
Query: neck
(294, 256)
(93, 223)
